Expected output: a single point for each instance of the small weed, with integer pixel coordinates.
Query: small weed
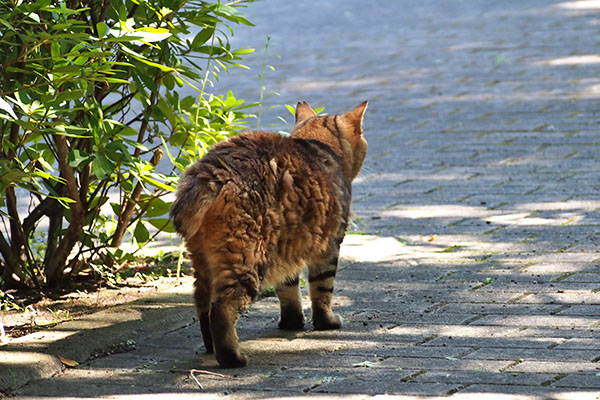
(9, 303)
(268, 375)
(326, 379)
(451, 249)
(60, 315)
(269, 291)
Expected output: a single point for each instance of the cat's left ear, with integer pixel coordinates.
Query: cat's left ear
(303, 111)
(356, 115)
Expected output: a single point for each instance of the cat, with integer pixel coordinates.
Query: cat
(259, 208)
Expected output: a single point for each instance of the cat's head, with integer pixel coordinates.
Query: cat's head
(343, 133)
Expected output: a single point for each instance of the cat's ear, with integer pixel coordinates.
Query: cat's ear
(356, 116)
(303, 111)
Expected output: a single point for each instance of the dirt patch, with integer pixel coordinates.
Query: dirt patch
(47, 312)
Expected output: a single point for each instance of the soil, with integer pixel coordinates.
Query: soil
(47, 312)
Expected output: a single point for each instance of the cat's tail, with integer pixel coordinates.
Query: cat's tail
(195, 198)
(190, 205)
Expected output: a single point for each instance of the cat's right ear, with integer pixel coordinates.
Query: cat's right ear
(303, 111)
(356, 115)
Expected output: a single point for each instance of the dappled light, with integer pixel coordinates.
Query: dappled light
(580, 5)
(574, 60)
(333, 84)
(471, 269)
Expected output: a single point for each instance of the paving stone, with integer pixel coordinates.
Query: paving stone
(591, 310)
(498, 344)
(553, 354)
(558, 332)
(444, 364)
(590, 345)
(558, 367)
(391, 386)
(586, 277)
(473, 271)
(562, 298)
(525, 392)
(537, 320)
(591, 381)
(413, 351)
(477, 377)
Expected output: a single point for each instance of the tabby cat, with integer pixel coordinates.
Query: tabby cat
(260, 207)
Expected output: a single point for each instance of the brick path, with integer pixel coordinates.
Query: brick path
(476, 271)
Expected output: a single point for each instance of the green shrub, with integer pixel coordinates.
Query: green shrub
(90, 103)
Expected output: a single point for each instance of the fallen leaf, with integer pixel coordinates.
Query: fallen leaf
(67, 362)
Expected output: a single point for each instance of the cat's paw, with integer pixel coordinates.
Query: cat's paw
(326, 321)
(231, 359)
(291, 323)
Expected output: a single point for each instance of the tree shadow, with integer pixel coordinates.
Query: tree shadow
(475, 272)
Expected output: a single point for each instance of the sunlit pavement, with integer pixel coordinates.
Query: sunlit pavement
(472, 271)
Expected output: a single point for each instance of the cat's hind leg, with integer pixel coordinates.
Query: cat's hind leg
(292, 316)
(321, 278)
(202, 298)
(234, 293)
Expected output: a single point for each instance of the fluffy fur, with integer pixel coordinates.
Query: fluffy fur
(260, 207)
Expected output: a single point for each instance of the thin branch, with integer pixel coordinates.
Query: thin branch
(57, 264)
(124, 99)
(11, 263)
(38, 212)
(127, 211)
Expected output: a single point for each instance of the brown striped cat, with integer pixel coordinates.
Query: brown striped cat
(259, 208)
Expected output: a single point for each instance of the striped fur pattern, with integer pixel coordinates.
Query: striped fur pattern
(258, 209)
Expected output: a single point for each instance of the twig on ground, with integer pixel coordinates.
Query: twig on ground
(204, 372)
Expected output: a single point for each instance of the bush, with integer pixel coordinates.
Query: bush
(89, 106)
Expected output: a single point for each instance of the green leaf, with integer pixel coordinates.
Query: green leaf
(141, 233)
(231, 14)
(76, 158)
(187, 102)
(157, 208)
(148, 34)
(102, 167)
(162, 224)
(110, 80)
(69, 95)
(125, 130)
(166, 110)
(34, 17)
(116, 208)
(6, 24)
(291, 109)
(202, 37)
(102, 28)
(117, 151)
(151, 178)
(143, 59)
(70, 131)
(6, 107)
(55, 49)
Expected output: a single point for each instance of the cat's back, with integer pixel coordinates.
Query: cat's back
(261, 171)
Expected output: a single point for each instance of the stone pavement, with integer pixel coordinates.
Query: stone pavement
(473, 271)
